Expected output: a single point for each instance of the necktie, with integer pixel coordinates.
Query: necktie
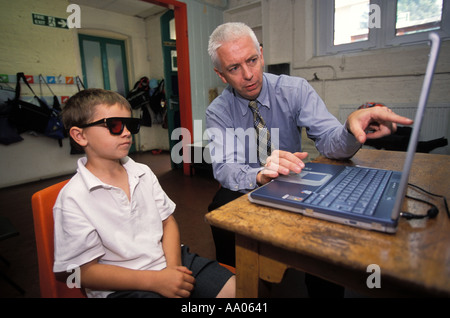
(262, 134)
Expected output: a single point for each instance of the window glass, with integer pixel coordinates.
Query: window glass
(103, 61)
(351, 19)
(415, 16)
(172, 30)
(115, 68)
(93, 59)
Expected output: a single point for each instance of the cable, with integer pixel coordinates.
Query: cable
(433, 194)
(432, 212)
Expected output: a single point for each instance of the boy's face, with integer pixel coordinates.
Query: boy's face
(100, 142)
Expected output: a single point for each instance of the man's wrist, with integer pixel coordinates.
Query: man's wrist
(348, 128)
(259, 176)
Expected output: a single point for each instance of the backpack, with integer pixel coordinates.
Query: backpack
(156, 98)
(28, 116)
(158, 103)
(139, 96)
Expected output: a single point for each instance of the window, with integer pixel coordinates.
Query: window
(418, 16)
(349, 25)
(351, 21)
(104, 63)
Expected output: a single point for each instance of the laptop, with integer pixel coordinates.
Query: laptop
(363, 197)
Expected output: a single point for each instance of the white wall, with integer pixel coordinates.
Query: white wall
(49, 51)
(35, 50)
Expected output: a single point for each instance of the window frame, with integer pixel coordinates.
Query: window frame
(102, 41)
(391, 39)
(379, 38)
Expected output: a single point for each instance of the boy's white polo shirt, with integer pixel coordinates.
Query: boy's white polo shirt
(96, 220)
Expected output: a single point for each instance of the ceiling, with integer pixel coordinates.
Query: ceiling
(135, 8)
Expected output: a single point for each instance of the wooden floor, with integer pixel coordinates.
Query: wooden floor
(191, 194)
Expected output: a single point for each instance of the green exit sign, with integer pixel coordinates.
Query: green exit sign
(46, 20)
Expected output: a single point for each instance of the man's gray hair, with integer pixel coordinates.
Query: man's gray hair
(229, 32)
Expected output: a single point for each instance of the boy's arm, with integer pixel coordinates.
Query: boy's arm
(98, 276)
(171, 242)
(173, 281)
(169, 282)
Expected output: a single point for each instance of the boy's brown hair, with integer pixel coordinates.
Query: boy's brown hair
(81, 107)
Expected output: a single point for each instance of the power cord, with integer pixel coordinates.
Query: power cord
(432, 212)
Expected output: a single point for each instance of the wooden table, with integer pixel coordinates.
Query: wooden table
(413, 262)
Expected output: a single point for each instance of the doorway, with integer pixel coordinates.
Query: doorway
(169, 48)
(182, 59)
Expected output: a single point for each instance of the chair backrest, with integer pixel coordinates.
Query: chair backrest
(42, 203)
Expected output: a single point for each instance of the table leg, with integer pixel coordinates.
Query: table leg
(270, 268)
(248, 282)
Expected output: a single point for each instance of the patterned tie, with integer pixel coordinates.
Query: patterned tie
(262, 134)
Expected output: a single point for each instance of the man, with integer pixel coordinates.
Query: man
(287, 105)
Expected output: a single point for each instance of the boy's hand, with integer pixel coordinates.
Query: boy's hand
(175, 282)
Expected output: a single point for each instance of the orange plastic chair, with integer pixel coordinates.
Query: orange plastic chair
(42, 203)
(229, 267)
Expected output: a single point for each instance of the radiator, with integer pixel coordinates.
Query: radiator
(435, 123)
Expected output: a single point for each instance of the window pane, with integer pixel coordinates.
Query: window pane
(93, 61)
(172, 30)
(351, 21)
(115, 68)
(415, 16)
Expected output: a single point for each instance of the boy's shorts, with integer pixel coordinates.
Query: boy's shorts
(210, 277)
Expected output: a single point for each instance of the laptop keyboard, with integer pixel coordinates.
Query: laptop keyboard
(355, 189)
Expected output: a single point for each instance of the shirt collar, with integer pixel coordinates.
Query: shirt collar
(92, 182)
(263, 98)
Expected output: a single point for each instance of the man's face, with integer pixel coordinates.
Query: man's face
(242, 67)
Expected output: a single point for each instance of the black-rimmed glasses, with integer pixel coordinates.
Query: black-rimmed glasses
(117, 124)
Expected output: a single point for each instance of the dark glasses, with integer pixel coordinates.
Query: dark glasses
(117, 124)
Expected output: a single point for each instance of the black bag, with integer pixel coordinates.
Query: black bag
(157, 97)
(27, 116)
(146, 116)
(56, 104)
(8, 132)
(42, 119)
(55, 128)
(139, 96)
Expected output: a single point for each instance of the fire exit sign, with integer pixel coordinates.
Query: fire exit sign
(46, 20)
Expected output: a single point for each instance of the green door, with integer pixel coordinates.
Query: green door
(170, 75)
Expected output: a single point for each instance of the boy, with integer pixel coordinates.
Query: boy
(113, 219)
